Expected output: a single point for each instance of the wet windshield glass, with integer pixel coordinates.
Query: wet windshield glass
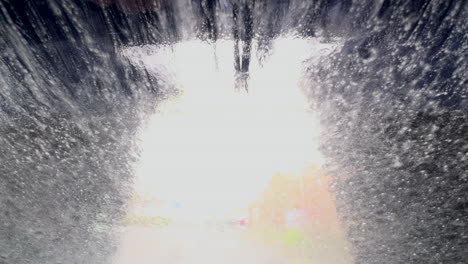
(233, 131)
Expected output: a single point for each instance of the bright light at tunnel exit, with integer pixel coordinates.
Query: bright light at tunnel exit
(214, 147)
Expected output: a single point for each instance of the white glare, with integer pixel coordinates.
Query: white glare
(213, 147)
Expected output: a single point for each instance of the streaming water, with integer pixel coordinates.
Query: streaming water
(352, 115)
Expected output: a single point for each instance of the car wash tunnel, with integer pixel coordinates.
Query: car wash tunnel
(233, 131)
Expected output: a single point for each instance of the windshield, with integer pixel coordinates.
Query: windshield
(233, 131)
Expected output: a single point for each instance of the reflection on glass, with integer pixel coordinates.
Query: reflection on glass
(229, 169)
